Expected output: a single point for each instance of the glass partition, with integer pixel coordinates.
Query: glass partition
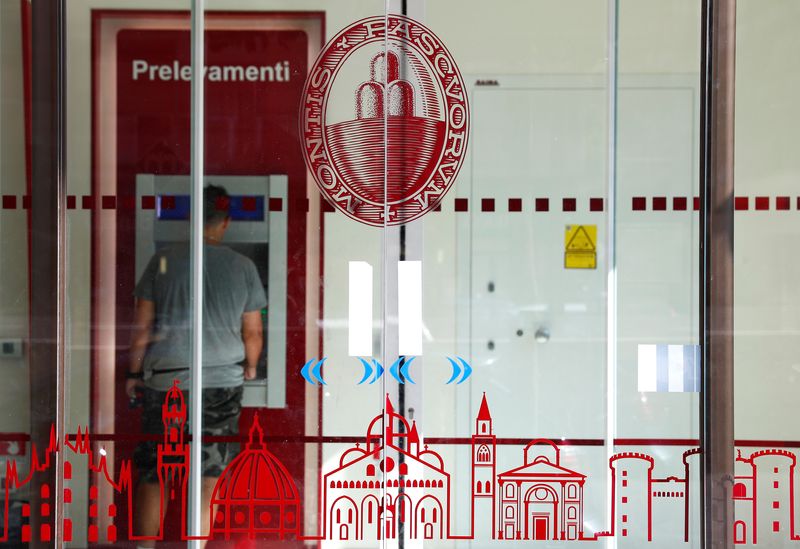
(765, 319)
(447, 268)
(17, 406)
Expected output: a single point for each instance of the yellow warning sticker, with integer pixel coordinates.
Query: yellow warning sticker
(580, 250)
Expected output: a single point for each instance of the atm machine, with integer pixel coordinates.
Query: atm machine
(255, 231)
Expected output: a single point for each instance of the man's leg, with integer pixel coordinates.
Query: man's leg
(149, 507)
(208, 510)
(149, 512)
(221, 409)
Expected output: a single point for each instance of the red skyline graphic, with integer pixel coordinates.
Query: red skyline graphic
(255, 495)
(393, 484)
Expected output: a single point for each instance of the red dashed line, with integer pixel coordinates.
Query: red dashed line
(741, 203)
(168, 203)
(460, 205)
(127, 202)
(249, 204)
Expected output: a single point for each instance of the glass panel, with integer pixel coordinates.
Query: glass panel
(765, 293)
(539, 245)
(17, 405)
(129, 83)
(450, 286)
(658, 379)
(263, 273)
(515, 365)
(265, 138)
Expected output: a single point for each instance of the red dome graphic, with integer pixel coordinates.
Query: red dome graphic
(255, 495)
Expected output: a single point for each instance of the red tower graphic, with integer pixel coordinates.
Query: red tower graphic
(173, 455)
(484, 451)
(632, 479)
(763, 495)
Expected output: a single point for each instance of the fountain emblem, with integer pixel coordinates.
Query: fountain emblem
(384, 120)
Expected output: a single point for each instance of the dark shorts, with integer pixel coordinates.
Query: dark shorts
(221, 409)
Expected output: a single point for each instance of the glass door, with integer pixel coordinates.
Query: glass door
(354, 274)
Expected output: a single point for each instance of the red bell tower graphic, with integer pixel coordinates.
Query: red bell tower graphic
(484, 451)
(173, 454)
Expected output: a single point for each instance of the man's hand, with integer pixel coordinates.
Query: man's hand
(131, 385)
(253, 338)
(140, 339)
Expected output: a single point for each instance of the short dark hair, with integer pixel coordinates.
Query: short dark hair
(217, 204)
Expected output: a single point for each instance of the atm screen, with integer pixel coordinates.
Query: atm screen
(177, 207)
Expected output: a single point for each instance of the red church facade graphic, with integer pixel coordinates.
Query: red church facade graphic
(541, 500)
(392, 482)
(76, 449)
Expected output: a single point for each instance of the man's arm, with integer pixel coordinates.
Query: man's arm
(253, 338)
(140, 339)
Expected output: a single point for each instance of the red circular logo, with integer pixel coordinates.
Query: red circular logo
(384, 80)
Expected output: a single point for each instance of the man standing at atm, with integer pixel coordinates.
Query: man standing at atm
(161, 352)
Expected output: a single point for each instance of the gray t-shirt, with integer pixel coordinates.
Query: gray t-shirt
(231, 288)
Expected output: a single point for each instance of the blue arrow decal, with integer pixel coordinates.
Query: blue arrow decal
(315, 371)
(304, 372)
(367, 370)
(404, 369)
(378, 370)
(394, 372)
(467, 370)
(456, 371)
